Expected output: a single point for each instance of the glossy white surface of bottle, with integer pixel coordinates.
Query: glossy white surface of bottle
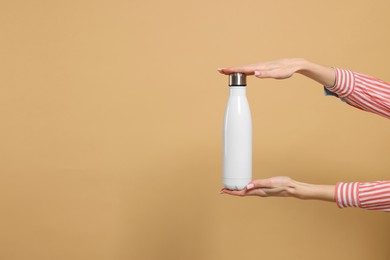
(237, 140)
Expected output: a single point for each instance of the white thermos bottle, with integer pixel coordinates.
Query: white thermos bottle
(237, 136)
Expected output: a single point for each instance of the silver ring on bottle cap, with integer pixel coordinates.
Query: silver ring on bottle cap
(237, 79)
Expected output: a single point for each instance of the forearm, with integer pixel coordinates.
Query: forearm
(321, 74)
(369, 195)
(312, 191)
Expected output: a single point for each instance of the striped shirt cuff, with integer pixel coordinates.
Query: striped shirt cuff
(368, 195)
(344, 83)
(347, 194)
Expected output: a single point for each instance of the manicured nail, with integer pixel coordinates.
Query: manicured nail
(257, 73)
(250, 186)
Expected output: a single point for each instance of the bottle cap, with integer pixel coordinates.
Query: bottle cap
(237, 79)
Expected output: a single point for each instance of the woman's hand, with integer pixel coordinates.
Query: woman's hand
(280, 186)
(284, 69)
(283, 186)
(278, 69)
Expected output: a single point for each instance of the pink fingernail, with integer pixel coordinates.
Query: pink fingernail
(257, 73)
(250, 186)
(221, 192)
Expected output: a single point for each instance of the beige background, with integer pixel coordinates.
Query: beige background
(111, 120)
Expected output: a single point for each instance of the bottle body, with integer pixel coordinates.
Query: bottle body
(237, 140)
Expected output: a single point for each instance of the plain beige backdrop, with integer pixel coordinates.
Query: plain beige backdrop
(111, 127)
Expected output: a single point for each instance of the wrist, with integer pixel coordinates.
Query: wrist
(303, 66)
(297, 190)
(307, 191)
(321, 74)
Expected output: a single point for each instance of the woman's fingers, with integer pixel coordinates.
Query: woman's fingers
(278, 69)
(281, 73)
(247, 69)
(245, 192)
(233, 192)
(278, 186)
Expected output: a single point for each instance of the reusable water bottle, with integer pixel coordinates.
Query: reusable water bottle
(237, 136)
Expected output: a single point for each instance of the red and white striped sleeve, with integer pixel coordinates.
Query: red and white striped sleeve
(363, 92)
(367, 195)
